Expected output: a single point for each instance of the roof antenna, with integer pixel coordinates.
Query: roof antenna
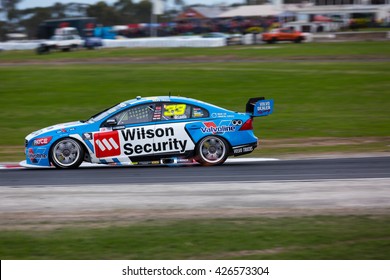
(169, 94)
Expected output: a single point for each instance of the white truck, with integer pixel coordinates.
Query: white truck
(65, 39)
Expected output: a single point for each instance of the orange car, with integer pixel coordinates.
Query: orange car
(283, 34)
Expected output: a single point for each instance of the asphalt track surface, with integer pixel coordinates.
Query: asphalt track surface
(255, 171)
(50, 197)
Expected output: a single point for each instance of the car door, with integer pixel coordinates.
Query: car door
(284, 34)
(144, 131)
(170, 134)
(126, 135)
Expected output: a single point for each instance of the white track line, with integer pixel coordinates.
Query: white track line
(23, 164)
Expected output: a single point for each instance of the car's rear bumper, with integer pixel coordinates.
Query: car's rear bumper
(244, 149)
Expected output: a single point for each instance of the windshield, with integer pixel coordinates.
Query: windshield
(106, 112)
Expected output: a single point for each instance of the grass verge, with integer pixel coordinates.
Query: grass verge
(323, 51)
(317, 237)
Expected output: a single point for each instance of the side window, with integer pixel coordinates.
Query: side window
(175, 111)
(198, 112)
(138, 114)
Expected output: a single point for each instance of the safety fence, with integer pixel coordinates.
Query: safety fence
(161, 42)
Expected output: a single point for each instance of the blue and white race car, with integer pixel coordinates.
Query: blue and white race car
(150, 130)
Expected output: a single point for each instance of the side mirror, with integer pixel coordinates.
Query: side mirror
(111, 122)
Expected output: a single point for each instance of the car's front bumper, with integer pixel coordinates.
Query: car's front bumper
(37, 156)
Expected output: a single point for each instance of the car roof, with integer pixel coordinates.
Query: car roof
(148, 99)
(144, 100)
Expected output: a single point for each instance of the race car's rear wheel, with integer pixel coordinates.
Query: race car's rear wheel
(211, 150)
(67, 153)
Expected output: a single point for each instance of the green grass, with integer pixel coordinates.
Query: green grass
(317, 237)
(312, 98)
(382, 145)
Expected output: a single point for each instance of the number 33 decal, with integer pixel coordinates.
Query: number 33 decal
(174, 110)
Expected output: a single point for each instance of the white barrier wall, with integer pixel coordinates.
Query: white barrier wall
(165, 42)
(23, 45)
(162, 42)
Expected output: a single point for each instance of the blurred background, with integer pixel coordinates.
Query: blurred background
(325, 63)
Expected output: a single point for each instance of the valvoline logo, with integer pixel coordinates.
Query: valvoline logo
(211, 127)
(107, 144)
(36, 156)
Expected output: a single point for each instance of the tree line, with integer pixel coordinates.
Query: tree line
(14, 20)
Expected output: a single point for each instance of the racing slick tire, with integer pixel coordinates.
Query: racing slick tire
(211, 150)
(67, 153)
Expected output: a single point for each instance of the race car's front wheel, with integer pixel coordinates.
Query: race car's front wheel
(211, 150)
(67, 153)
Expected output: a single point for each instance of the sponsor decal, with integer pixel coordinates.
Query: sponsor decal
(33, 155)
(243, 150)
(221, 115)
(146, 163)
(180, 117)
(157, 99)
(197, 112)
(107, 144)
(185, 160)
(87, 136)
(172, 110)
(42, 141)
(211, 127)
(36, 157)
(263, 108)
(62, 130)
(145, 140)
(163, 141)
(142, 133)
(157, 113)
(170, 145)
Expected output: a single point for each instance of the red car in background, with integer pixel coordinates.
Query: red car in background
(283, 34)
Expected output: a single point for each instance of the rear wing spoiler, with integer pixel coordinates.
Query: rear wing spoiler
(259, 107)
